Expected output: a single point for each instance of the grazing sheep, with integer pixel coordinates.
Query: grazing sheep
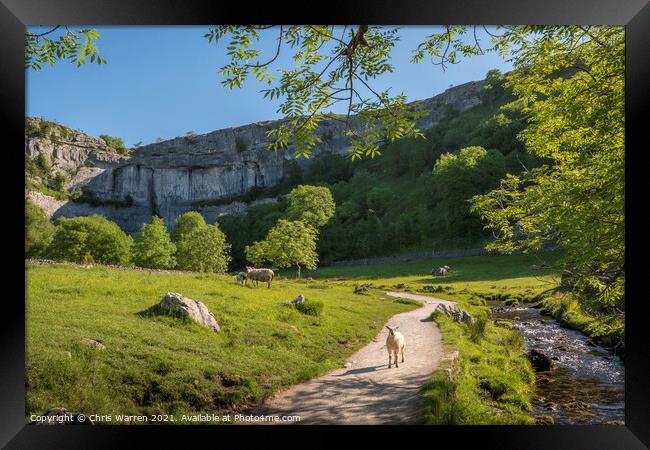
(395, 344)
(240, 278)
(258, 275)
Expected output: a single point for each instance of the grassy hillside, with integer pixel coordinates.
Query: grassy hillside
(161, 365)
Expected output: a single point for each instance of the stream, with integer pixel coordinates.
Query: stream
(586, 382)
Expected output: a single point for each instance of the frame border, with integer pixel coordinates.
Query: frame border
(634, 14)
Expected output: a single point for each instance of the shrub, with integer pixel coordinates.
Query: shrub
(153, 247)
(310, 307)
(115, 143)
(102, 239)
(477, 329)
(59, 181)
(38, 230)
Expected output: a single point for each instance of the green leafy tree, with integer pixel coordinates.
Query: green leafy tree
(152, 246)
(80, 238)
(571, 80)
(287, 244)
(313, 205)
(61, 43)
(38, 230)
(186, 223)
(457, 178)
(203, 249)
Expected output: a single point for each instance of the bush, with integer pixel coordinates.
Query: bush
(310, 307)
(96, 236)
(152, 247)
(38, 231)
(115, 143)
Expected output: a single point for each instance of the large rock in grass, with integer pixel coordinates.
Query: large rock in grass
(176, 304)
(452, 310)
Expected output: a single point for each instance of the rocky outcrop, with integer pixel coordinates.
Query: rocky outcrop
(189, 173)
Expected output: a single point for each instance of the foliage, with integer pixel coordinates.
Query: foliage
(571, 81)
(287, 244)
(186, 223)
(38, 230)
(152, 246)
(457, 177)
(310, 307)
(203, 249)
(95, 236)
(117, 144)
(59, 44)
(329, 70)
(313, 205)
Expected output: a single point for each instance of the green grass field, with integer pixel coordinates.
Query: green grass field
(498, 274)
(161, 365)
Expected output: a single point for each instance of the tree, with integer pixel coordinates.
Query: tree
(328, 70)
(571, 80)
(287, 244)
(38, 230)
(153, 247)
(93, 238)
(313, 205)
(186, 223)
(457, 178)
(203, 249)
(60, 43)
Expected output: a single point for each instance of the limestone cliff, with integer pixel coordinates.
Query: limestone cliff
(174, 176)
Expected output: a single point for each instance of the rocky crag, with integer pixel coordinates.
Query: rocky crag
(191, 172)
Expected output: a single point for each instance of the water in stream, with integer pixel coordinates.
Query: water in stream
(586, 384)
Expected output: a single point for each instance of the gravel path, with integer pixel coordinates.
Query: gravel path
(367, 392)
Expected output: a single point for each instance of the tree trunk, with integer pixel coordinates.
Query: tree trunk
(298, 266)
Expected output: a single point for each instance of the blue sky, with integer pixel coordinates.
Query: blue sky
(163, 81)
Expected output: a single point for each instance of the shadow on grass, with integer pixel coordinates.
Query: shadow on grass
(157, 311)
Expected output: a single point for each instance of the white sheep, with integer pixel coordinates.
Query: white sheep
(395, 344)
(258, 275)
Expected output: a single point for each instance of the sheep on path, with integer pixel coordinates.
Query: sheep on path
(395, 344)
(258, 275)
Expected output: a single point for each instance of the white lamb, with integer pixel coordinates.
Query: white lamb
(395, 344)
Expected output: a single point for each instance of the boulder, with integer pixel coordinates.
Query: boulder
(298, 300)
(539, 361)
(452, 310)
(176, 304)
(439, 272)
(93, 343)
